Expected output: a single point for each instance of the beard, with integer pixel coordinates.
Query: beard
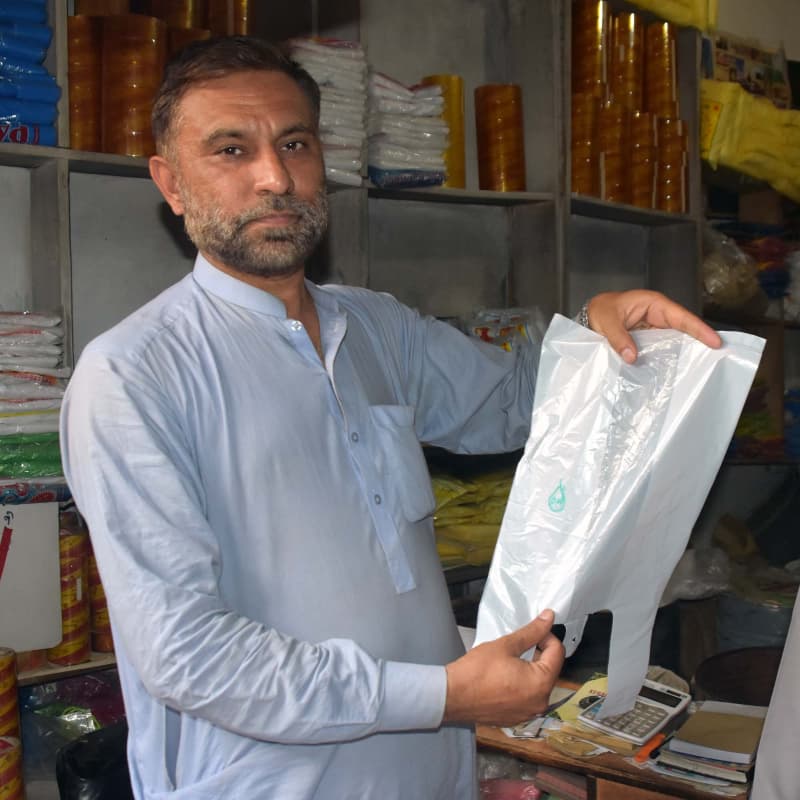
(267, 253)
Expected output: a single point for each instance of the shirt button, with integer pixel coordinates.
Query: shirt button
(377, 499)
(296, 325)
(353, 437)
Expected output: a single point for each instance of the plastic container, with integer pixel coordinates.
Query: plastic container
(85, 50)
(134, 54)
(9, 706)
(75, 644)
(453, 115)
(501, 141)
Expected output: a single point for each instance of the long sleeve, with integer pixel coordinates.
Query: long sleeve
(134, 476)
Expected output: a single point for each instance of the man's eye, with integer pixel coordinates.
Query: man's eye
(231, 150)
(294, 146)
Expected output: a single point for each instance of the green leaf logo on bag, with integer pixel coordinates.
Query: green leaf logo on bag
(558, 499)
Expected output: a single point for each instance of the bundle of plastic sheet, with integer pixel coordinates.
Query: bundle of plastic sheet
(32, 384)
(340, 69)
(468, 515)
(28, 92)
(407, 135)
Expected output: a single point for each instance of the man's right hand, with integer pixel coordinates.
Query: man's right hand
(491, 684)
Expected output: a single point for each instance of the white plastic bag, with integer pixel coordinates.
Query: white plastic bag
(617, 466)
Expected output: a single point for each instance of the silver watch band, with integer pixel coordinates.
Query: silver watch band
(583, 316)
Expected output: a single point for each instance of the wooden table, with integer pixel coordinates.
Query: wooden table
(610, 777)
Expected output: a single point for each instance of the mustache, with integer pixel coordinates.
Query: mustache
(275, 204)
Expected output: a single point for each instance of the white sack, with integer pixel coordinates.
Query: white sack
(617, 466)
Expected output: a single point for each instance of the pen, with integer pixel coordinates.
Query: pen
(643, 753)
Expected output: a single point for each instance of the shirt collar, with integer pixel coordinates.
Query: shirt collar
(236, 291)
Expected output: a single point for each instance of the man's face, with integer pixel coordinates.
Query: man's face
(249, 173)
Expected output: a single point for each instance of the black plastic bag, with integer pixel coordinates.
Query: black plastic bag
(95, 766)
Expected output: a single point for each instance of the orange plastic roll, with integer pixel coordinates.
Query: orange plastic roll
(671, 185)
(75, 645)
(585, 107)
(585, 176)
(228, 17)
(99, 621)
(453, 115)
(84, 60)
(590, 44)
(9, 707)
(626, 61)
(101, 8)
(613, 128)
(179, 13)
(500, 135)
(642, 171)
(134, 54)
(614, 177)
(11, 784)
(643, 129)
(178, 38)
(660, 73)
(28, 660)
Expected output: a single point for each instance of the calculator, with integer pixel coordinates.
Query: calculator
(655, 706)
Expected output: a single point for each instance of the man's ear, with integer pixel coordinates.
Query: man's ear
(163, 175)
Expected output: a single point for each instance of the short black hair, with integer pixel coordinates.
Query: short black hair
(219, 57)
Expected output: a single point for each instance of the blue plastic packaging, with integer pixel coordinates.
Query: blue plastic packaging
(21, 49)
(24, 111)
(39, 91)
(16, 11)
(40, 35)
(20, 133)
(12, 67)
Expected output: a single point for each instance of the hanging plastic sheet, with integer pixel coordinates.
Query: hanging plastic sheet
(617, 466)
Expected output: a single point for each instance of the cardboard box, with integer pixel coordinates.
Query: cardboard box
(764, 207)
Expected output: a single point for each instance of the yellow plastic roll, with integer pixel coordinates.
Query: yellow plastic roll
(749, 134)
(453, 115)
(700, 14)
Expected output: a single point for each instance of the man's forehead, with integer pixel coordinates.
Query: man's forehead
(244, 83)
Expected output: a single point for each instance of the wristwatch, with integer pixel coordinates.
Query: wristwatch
(583, 316)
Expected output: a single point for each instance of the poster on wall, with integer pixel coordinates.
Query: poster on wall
(30, 593)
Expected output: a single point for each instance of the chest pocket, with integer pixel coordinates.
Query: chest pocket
(400, 462)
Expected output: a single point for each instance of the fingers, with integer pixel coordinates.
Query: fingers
(526, 637)
(682, 320)
(550, 654)
(614, 314)
(492, 684)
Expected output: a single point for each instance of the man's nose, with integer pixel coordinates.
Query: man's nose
(271, 173)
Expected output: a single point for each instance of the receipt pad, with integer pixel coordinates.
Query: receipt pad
(618, 463)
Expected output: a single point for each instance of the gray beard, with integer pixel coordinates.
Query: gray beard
(273, 252)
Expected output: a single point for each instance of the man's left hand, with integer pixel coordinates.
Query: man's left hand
(613, 314)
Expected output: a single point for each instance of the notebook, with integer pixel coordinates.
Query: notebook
(722, 731)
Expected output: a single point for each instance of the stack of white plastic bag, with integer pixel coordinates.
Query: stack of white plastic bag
(340, 69)
(618, 463)
(32, 385)
(407, 136)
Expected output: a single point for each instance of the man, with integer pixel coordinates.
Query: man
(245, 449)
(777, 775)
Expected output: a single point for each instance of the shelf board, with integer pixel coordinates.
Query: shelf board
(595, 208)
(107, 164)
(32, 156)
(439, 194)
(54, 672)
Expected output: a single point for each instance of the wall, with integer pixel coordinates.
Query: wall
(772, 22)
